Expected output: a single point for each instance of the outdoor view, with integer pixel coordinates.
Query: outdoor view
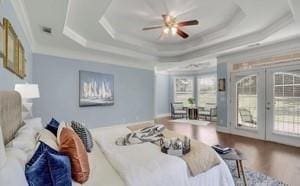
(287, 103)
(207, 91)
(183, 89)
(247, 102)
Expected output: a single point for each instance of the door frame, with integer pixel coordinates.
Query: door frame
(258, 133)
(270, 134)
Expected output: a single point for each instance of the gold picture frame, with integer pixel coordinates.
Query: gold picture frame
(21, 61)
(10, 59)
(1, 41)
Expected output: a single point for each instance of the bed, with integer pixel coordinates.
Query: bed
(106, 163)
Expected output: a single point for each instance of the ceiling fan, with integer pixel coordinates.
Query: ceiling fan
(171, 25)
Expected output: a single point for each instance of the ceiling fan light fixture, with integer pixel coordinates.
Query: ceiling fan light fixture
(166, 30)
(174, 31)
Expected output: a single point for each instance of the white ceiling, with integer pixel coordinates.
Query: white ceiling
(106, 27)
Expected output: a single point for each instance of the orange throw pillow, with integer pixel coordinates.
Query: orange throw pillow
(72, 146)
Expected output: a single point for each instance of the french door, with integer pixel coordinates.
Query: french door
(247, 102)
(266, 104)
(283, 105)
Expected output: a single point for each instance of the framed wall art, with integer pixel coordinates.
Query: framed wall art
(95, 89)
(10, 59)
(222, 85)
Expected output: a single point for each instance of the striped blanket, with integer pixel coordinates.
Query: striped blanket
(147, 134)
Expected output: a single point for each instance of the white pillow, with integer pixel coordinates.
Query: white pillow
(12, 173)
(35, 123)
(18, 154)
(48, 138)
(60, 127)
(24, 139)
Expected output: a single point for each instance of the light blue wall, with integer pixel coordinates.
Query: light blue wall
(58, 79)
(162, 99)
(8, 79)
(222, 96)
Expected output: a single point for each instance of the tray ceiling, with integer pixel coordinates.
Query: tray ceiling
(115, 27)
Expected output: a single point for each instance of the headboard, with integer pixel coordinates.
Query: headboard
(10, 114)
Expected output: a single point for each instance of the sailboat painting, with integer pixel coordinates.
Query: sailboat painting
(96, 89)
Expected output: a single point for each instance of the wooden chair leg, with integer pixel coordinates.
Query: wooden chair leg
(238, 168)
(243, 173)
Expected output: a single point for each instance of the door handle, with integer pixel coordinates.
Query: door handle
(268, 108)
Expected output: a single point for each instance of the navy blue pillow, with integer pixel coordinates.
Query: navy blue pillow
(48, 167)
(53, 126)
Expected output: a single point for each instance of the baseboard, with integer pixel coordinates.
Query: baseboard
(162, 115)
(223, 129)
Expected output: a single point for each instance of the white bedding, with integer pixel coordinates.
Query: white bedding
(145, 165)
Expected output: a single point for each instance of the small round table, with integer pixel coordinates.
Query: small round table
(236, 156)
(192, 113)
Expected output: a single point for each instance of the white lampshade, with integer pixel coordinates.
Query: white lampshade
(28, 91)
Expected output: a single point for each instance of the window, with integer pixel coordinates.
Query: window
(207, 91)
(183, 89)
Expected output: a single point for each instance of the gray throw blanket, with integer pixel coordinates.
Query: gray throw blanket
(147, 134)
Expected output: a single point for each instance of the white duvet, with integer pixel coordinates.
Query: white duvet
(145, 165)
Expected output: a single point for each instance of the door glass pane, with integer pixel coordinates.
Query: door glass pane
(247, 102)
(286, 111)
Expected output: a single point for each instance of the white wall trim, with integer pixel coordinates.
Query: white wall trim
(162, 115)
(22, 16)
(223, 129)
(112, 60)
(272, 49)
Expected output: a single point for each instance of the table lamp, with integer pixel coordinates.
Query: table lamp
(27, 92)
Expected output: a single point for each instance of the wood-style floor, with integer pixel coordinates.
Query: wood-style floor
(276, 160)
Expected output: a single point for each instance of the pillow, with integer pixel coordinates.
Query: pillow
(84, 134)
(48, 167)
(71, 145)
(60, 127)
(35, 123)
(21, 156)
(12, 173)
(24, 139)
(53, 126)
(48, 138)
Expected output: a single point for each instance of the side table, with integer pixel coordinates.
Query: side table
(238, 157)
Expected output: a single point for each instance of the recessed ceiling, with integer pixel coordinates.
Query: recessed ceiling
(109, 27)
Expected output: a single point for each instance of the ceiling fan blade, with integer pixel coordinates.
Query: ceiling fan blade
(182, 34)
(188, 23)
(151, 28)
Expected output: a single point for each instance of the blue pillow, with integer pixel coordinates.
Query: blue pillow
(48, 167)
(53, 126)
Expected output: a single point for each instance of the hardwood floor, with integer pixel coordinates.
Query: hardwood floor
(279, 161)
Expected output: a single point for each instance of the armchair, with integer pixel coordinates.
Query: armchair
(207, 113)
(177, 109)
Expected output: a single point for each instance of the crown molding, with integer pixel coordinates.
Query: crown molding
(234, 43)
(100, 58)
(22, 16)
(160, 50)
(295, 8)
(272, 49)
